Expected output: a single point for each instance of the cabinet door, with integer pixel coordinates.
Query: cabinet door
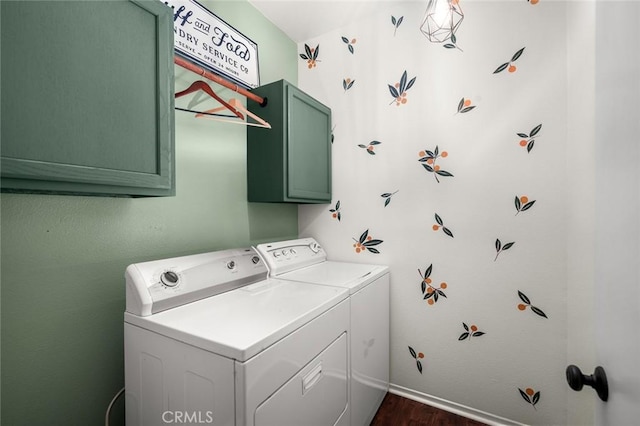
(87, 97)
(309, 148)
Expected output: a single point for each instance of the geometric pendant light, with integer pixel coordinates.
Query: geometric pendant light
(441, 20)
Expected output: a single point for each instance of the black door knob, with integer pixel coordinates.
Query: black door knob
(598, 380)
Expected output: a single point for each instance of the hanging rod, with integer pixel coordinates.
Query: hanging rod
(216, 78)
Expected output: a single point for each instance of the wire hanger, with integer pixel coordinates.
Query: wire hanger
(201, 85)
(236, 104)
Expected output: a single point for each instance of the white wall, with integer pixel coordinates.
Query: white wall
(520, 350)
(581, 162)
(617, 127)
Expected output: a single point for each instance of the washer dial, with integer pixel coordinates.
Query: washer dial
(169, 279)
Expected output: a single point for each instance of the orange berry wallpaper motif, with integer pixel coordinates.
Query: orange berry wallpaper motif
(347, 84)
(526, 303)
(523, 204)
(429, 159)
(440, 225)
(530, 395)
(335, 212)
(311, 55)
(349, 43)
(399, 90)
(528, 139)
(509, 66)
(366, 243)
(370, 148)
(464, 106)
(417, 356)
(470, 332)
(431, 293)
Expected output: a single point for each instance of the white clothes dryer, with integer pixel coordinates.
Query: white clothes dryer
(304, 260)
(210, 339)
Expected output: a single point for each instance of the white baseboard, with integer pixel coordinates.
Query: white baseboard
(452, 407)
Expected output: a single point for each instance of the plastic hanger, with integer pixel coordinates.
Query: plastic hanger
(201, 85)
(236, 104)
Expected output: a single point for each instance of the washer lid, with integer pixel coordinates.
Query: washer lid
(353, 276)
(241, 323)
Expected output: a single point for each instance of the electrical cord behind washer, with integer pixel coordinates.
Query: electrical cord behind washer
(108, 413)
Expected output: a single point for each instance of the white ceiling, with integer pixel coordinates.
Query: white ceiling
(305, 19)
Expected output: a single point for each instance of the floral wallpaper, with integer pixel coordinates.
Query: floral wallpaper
(449, 160)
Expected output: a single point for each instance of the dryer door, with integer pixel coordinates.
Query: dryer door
(315, 396)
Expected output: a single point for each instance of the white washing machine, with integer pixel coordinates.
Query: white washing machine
(304, 260)
(210, 339)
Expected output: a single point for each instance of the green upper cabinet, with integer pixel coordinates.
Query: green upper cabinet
(87, 97)
(291, 162)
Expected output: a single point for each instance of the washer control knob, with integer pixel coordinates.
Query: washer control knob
(292, 251)
(169, 279)
(255, 260)
(284, 252)
(276, 254)
(231, 264)
(315, 247)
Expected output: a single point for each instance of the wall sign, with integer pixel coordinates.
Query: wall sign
(213, 44)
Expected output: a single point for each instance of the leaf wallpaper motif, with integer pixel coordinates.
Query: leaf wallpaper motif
(335, 212)
(399, 90)
(502, 247)
(347, 84)
(470, 332)
(530, 396)
(430, 292)
(523, 204)
(428, 160)
(418, 356)
(465, 106)
(453, 43)
(486, 221)
(510, 66)
(528, 139)
(387, 197)
(526, 303)
(311, 55)
(349, 44)
(370, 147)
(396, 23)
(439, 225)
(366, 243)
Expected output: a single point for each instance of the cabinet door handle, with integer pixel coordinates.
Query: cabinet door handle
(598, 380)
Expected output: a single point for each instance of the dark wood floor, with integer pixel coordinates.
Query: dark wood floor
(398, 411)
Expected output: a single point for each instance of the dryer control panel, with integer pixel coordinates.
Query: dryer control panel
(285, 256)
(164, 284)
